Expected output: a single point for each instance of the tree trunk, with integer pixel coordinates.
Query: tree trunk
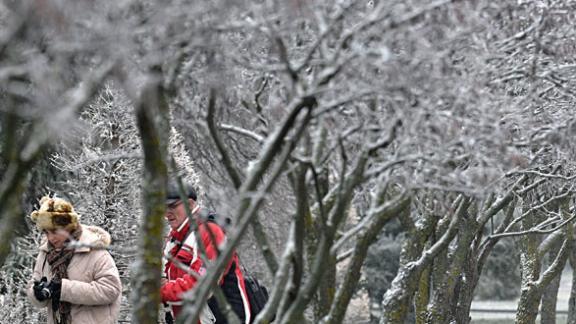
(152, 119)
(572, 299)
(10, 216)
(532, 290)
(397, 300)
(440, 307)
(14, 179)
(476, 260)
(326, 290)
(530, 263)
(422, 297)
(550, 296)
(396, 308)
(528, 305)
(466, 294)
(365, 239)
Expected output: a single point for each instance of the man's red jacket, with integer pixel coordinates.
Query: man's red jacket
(182, 246)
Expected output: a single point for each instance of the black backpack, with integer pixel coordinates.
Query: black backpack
(257, 295)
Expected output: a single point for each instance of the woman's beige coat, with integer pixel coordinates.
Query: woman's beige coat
(93, 286)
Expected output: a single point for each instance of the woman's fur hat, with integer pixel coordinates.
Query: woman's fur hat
(55, 213)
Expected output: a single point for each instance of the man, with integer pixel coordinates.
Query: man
(74, 276)
(182, 256)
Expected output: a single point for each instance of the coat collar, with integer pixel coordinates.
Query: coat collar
(181, 232)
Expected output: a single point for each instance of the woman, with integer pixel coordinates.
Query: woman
(74, 276)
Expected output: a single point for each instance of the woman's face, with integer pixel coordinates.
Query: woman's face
(57, 237)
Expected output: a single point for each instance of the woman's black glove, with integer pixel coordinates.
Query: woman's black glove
(41, 289)
(55, 287)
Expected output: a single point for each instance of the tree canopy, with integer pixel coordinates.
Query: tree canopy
(314, 126)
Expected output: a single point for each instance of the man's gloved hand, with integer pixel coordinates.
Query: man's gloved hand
(41, 289)
(55, 287)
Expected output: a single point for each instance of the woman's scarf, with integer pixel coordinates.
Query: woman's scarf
(59, 261)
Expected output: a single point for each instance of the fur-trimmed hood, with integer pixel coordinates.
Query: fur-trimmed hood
(93, 237)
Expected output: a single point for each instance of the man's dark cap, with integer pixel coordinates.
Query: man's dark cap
(173, 194)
